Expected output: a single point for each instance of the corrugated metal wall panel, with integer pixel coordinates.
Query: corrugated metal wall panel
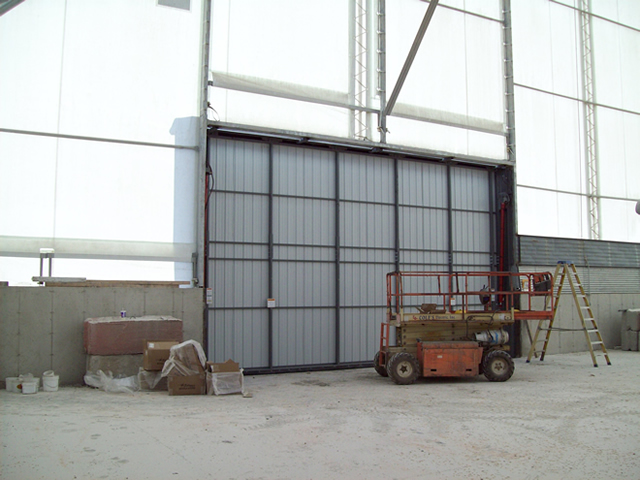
(424, 261)
(471, 232)
(240, 166)
(304, 336)
(304, 221)
(238, 251)
(422, 184)
(364, 284)
(238, 283)
(423, 228)
(469, 189)
(241, 218)
(367, 225)
(367, 179)
(360, 329)
(423, 231)
(314, 272)
(369, 255)
(242, 335)
(309, 284)
(472, 262)
(548, 251)
(303, 172)
(599, 280)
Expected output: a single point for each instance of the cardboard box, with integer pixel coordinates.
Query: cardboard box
(228, 366)
(155, 354)
(187, 358)
(225, 383)
(189, 385)
(125, 336)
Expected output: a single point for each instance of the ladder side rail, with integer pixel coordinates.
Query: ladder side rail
(573, 278)
(594, 326)
(541, 323)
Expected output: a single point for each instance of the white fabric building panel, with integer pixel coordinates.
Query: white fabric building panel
(96, 198)
(619, 220)
(295, 41)
(619, 153)
(551, 214)
(487, 8)
(445, 139)
(272, 112)
(626, 12)
(545, 47)
(19, 270)
(550, 142)
(121, 70)
(617, 65)
(27, 189)
(31, 49)
(458, 68)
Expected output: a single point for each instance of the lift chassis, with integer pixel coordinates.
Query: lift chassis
(456, 324)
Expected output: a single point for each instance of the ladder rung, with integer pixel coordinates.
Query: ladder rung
(592, 331)
(590, 319)
(597, 343)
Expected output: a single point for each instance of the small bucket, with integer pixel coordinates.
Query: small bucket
(30, 387)
(50, 381)
(12, 384)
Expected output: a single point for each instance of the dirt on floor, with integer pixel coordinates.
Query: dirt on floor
(561, 418)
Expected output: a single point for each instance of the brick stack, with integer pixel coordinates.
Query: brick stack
(117, 344)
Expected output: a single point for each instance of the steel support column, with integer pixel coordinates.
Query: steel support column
(449, 219)
(270, 293)
(505, 178)
(396, 187)
(201, 260)
(337, 254)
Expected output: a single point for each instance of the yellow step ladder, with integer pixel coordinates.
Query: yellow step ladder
(567, 271)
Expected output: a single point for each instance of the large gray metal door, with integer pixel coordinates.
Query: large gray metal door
(316, 230)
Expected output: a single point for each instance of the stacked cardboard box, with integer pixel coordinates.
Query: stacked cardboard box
(153, 359)
(184, 369)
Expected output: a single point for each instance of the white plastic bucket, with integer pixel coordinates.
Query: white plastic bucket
(30, 386)
(12, 384)
(50, 382)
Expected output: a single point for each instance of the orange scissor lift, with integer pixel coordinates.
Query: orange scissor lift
(455, 328)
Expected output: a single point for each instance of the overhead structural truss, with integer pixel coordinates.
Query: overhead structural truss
(358, 88)
(591, 135)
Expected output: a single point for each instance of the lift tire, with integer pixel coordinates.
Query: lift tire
(498, 366)
(403, 368)
(380, 369)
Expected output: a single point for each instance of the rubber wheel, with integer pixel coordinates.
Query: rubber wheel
(498, 366)
(403, 368)
(381, 369)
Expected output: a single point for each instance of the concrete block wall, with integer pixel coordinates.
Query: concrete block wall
(607, 308)
(41, 327)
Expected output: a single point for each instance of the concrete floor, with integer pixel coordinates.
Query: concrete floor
(558, 419)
